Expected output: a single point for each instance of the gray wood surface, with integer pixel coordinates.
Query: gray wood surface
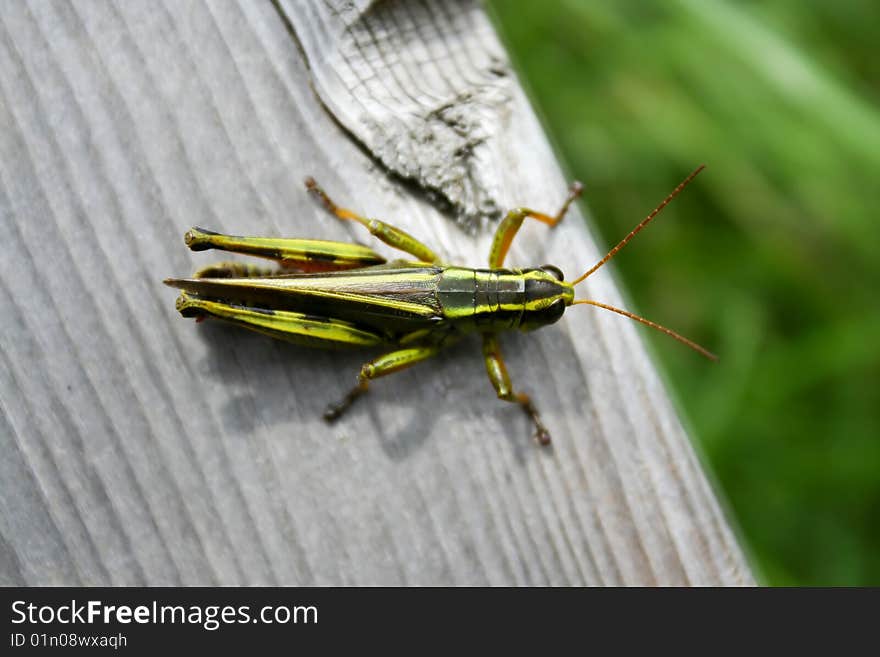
(140, 448)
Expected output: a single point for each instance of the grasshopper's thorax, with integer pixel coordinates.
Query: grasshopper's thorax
(503, 299)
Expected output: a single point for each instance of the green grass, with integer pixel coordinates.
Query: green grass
(771, 258)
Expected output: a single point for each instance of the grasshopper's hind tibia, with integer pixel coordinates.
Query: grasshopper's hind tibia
(381, 366)
(231, 269)
(497, 371)
(385, 232)
(512, 222)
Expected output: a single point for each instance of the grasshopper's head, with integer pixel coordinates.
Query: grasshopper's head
(546, 297)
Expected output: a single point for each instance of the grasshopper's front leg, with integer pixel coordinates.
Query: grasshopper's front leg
(497, 371)
(385, 232)
(511, 223)
(381, 366)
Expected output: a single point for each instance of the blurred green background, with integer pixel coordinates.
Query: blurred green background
(771, 258)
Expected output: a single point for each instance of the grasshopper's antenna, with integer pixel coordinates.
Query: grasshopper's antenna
(645, 222)
(647, 322)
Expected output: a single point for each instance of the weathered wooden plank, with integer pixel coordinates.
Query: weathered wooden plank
(139, 448)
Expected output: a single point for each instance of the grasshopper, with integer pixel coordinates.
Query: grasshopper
(332, 294)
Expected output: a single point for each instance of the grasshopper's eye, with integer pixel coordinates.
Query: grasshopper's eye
(555, 271)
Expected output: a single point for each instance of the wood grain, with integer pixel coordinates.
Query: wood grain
(139, 448)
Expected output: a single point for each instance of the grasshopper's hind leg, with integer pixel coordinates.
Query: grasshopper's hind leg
(304, 255)
(511, 223)
(381, 366)
(387, 233)
(497, 371)
(298, 328)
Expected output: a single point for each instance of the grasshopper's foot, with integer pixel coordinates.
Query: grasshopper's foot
(335, 411)
(314, 188)
(542, 435)
(497, 371)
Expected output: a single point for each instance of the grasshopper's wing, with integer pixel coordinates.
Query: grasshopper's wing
(394, 300)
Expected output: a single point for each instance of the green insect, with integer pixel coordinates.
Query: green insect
(332, 294)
